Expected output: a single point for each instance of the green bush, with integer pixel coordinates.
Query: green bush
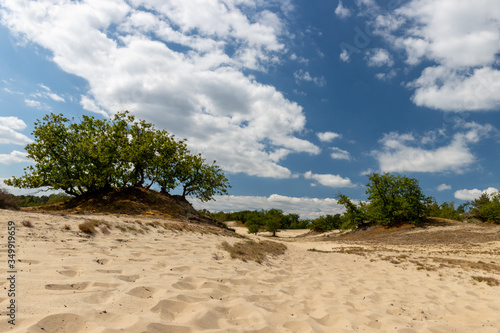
(392, 199)
(487, 207)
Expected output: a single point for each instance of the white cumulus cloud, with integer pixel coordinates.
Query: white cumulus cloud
(328, 136)
(342, 11)
(339, 154)
(302, 75)
(460, 39)
(14, 157)
(443, 187)
(402, 152)
(474, 194)
(378, 58)
(182, 65)
(9, 127)
(329, 180)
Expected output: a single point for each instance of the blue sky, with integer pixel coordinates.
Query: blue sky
(296, 100)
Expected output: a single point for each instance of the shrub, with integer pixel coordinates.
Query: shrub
(251, 250)
(487, 207)
(7, 200)
(89, 226)
(489, 280)
(27, 224)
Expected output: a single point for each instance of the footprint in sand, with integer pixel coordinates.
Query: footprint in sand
(189, 283)
(142, 292)
(98, 297)
(175, 310)
(110, 271)
(68, 272)
(106, 285)
(161, 328)
(68, 286)
(298, 326)
(128, 278)
(62, 322)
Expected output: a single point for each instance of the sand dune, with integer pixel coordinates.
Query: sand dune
(159, 280)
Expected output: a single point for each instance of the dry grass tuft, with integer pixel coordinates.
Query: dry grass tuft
(489, 280)
(27, 224)
(251, 250)
(89, 226)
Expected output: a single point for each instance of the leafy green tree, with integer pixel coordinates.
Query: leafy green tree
(273, 220)
(354, 215)
(328, 222)
(289, 219)
(445, 210)
(56, 158)
(200, 179)
(97, 155)
(395, 199)
(253, 228)
(487, 207)
(141, 151)
(166, 162)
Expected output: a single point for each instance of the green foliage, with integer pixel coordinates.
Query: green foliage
(253, 228)
(33, 200)
(487, 207)
(325, 223)
(200, 179)
(395, 199)
(272, 220)
(354, 215)
(95, 155)
(445, 210)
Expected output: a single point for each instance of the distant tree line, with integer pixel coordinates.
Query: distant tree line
(35, 200)
(98, 155)
(392, 200)
(273, 220)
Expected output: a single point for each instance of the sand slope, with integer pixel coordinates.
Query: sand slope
(169, 281)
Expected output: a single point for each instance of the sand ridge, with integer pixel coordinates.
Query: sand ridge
(161, 280)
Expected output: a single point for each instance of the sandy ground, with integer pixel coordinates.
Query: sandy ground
(162, 280)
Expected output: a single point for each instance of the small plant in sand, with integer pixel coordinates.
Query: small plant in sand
(89, 226)
(27, 224)
(489, 280)
(256, 251)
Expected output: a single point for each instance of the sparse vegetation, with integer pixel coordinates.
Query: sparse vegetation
(256, 251)
(7, 200)
(489, 280)
(89, 226)
(27, 224)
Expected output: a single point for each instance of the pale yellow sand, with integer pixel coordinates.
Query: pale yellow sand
(168, 281)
